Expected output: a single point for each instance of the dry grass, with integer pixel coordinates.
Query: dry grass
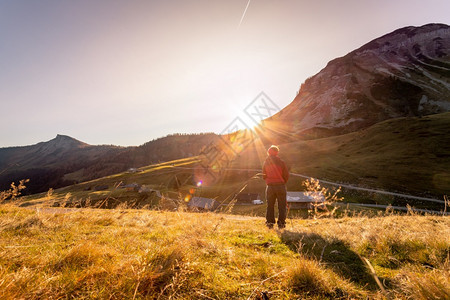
(14, 191)
(425, 283)
(56, 253)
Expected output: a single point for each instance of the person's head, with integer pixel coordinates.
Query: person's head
(273, 150)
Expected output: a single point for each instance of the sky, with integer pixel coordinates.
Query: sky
(124, 72)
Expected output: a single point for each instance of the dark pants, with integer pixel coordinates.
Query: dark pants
(273, 193)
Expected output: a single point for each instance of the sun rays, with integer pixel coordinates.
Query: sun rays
(239, 151)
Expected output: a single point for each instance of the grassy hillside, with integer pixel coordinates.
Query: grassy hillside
(64, 161)
(410, 155)
(56, 253)
(106, 193)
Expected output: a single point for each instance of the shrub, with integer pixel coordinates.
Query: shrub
(321, 206)
(14, 192)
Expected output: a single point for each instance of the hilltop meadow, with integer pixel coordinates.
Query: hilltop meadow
(62, 253)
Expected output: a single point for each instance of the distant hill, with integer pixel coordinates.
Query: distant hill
(46, 163)
(404, 73)
(64, 160)
(405, 155)
(54, 153)
(409, 155)
(164, 149)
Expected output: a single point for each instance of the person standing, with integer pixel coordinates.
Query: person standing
(276, 175)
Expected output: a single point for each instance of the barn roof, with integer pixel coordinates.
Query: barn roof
(299, 197)
(205, 203)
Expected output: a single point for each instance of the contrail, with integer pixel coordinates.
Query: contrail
(245, 11)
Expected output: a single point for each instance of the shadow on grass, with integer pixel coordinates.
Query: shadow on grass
(332, 253)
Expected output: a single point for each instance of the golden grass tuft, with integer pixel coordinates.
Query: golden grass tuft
(418, 283)
(310, 278)
(23, 225)
(82, 256)
(161, 271)
(305, 276)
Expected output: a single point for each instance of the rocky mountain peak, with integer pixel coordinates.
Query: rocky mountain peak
(65, 141)
(403, 73)
(407, 36)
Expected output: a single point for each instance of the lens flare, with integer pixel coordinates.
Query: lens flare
(187, 198)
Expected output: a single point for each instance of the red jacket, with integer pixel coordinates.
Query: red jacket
(275, 171)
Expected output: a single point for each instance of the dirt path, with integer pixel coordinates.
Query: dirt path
(347, 186)
(399, 208)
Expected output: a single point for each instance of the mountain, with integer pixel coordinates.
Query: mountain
(403, 73)
(64, 160)
(45, 153)
(46, 163)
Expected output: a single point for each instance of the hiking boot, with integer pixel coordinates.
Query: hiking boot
(269, 225)
(281, 226)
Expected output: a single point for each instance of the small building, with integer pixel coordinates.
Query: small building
(247, 198)
(147, 190)
(131, 187)
(299, 200)
(201, 203)
(144, 189)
